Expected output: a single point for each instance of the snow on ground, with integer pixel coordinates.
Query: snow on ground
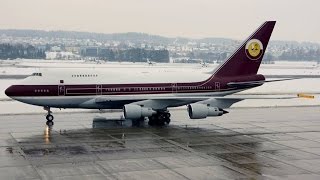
(26, 67)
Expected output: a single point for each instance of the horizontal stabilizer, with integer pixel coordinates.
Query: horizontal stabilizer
(260, 96)
(256, 83)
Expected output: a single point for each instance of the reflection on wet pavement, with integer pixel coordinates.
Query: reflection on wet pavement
(262, 144)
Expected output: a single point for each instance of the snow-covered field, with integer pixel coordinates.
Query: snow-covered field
(26, 67)
(194, 71)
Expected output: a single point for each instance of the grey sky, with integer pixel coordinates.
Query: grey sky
(296, 19)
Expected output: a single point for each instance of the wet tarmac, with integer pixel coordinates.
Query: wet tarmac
(253, 143)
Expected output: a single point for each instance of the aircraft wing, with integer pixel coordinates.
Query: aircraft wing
(159, 102)
(221, 102)
(154, 102)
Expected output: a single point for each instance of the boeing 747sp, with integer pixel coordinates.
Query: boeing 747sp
(151, 98)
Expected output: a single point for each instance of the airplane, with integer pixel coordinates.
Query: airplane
(204, 64)
(150, 63)
(149, 97)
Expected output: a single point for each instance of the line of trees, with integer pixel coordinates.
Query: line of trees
(132, 55)
(25, 51)
(300, 54)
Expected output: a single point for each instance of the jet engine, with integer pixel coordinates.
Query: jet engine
(200, 111)
(132, 111)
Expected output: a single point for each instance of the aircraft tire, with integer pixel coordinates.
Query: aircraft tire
(49, 117)
(50, 123)
(152, 121)
(160, 119)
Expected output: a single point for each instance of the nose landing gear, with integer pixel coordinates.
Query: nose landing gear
(49, 117)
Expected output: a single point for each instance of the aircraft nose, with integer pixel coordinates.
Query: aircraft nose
(9, 91)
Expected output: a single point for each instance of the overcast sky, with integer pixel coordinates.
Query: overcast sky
(296, 19)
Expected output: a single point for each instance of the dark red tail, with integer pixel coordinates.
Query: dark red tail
(246, 60)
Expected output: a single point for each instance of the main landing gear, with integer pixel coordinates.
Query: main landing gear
(49, 117)
(160, 119)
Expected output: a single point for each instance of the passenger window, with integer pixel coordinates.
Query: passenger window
(61, 81)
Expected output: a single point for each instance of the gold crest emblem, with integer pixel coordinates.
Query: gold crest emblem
(254, 49)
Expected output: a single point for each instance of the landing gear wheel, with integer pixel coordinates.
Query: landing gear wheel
(159, 119)
(168, 115)
(152, 121)
(49, 117)
(49, 123)
(160, 123)
(168, 121)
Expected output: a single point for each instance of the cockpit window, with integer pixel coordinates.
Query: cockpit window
(36, 74)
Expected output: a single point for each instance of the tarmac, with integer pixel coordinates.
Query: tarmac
(247, 143)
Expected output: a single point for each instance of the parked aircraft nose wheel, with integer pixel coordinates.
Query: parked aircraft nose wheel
(49, 123)
(49, 117)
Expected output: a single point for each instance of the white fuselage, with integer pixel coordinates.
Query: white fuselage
(119, 77)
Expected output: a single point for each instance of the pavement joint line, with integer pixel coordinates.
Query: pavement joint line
(301, 150)
(310, 172)
(284, 162)
(172, 169)
(26, 158)
(113, 137)
(103, 170)
(201, 154)
(302, 138)
(162, 166)
(250, 174)
(204, 155)
(235, 170)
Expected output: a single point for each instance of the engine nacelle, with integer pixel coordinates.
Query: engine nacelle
(132, 111)
(200, 111)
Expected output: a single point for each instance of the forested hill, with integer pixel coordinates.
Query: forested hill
(130, 36)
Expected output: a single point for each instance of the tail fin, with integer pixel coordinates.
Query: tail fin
(247, 58)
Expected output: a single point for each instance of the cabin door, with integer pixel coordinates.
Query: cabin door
(61, 90)
(174, 87)
(217, 86)
(99, 89)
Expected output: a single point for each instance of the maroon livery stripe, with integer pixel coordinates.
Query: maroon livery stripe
(211, 85)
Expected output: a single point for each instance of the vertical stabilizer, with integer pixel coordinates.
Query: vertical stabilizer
(246, 60)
